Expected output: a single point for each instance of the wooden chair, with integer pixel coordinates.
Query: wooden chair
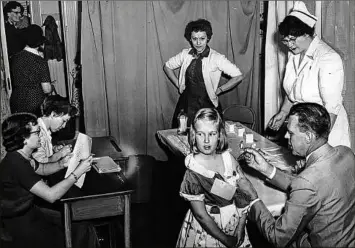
(240, 113)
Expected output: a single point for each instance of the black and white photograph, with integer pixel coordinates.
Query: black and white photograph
(177, 123)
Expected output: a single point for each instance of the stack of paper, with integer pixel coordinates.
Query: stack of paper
(106, 165)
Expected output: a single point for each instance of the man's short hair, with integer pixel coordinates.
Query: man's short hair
(312, 117)
(10, 6)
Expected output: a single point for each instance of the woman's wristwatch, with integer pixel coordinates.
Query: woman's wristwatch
(75, 176)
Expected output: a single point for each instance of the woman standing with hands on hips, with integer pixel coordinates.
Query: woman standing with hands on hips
(200, 71)
(314, 73)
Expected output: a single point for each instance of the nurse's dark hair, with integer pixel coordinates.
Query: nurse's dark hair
(209, 114)
(59, 105)
(196, 26)
(312, 117)
(15, 129)
(291, 25)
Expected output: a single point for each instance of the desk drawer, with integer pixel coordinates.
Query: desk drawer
(97, 208)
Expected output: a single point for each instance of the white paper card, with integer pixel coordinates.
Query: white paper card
(241, 132)
(249, 138)
(223, 189)
(81, 151)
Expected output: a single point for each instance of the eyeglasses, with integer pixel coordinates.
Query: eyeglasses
(17, 12)
(290, 40)
(37, 132)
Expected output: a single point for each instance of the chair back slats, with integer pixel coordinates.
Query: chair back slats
(240, 113)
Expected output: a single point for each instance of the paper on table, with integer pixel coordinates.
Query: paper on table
(106, 165)
(82, 150)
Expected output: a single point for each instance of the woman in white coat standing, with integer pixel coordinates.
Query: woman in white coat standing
(314, 73)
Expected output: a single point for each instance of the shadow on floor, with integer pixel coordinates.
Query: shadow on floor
(156, 223)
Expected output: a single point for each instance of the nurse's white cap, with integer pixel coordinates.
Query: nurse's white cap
(300, 11)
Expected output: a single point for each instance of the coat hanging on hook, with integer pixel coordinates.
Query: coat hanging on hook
(53, 46)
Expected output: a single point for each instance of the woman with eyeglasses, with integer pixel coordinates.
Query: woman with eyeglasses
(314, 73)
(57, 111)
(12, 14)
(28, 224)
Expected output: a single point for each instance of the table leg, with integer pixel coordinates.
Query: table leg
(127, 221)
(67, 226)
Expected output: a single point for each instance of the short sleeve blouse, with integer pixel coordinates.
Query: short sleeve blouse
(17, 177)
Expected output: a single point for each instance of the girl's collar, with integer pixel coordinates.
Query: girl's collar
(192, 164)
(204, 53)
(32, 50)
(42, 124)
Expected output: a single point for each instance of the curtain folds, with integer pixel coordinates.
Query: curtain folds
(124, 46)
(338, 30)
(5, 83)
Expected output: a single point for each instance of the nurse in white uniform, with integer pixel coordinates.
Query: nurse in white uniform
(314, 73)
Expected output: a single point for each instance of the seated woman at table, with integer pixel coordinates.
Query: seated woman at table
(28, 224)
(215, 219)
(57, 111)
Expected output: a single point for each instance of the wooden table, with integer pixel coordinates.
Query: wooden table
(102, 195)
(273, 198)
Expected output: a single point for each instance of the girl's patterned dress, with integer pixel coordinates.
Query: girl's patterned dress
(196, 185)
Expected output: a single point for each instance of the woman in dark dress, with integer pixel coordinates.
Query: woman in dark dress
(28, 224)
(200, 71)
(30, 74)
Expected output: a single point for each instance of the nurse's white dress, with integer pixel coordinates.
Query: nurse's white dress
(319, 79)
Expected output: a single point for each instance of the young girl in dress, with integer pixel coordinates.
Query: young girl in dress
(213, 220)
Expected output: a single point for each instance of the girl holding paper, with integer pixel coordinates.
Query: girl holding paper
(216, 218)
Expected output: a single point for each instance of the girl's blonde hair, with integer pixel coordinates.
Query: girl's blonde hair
(209, 114)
